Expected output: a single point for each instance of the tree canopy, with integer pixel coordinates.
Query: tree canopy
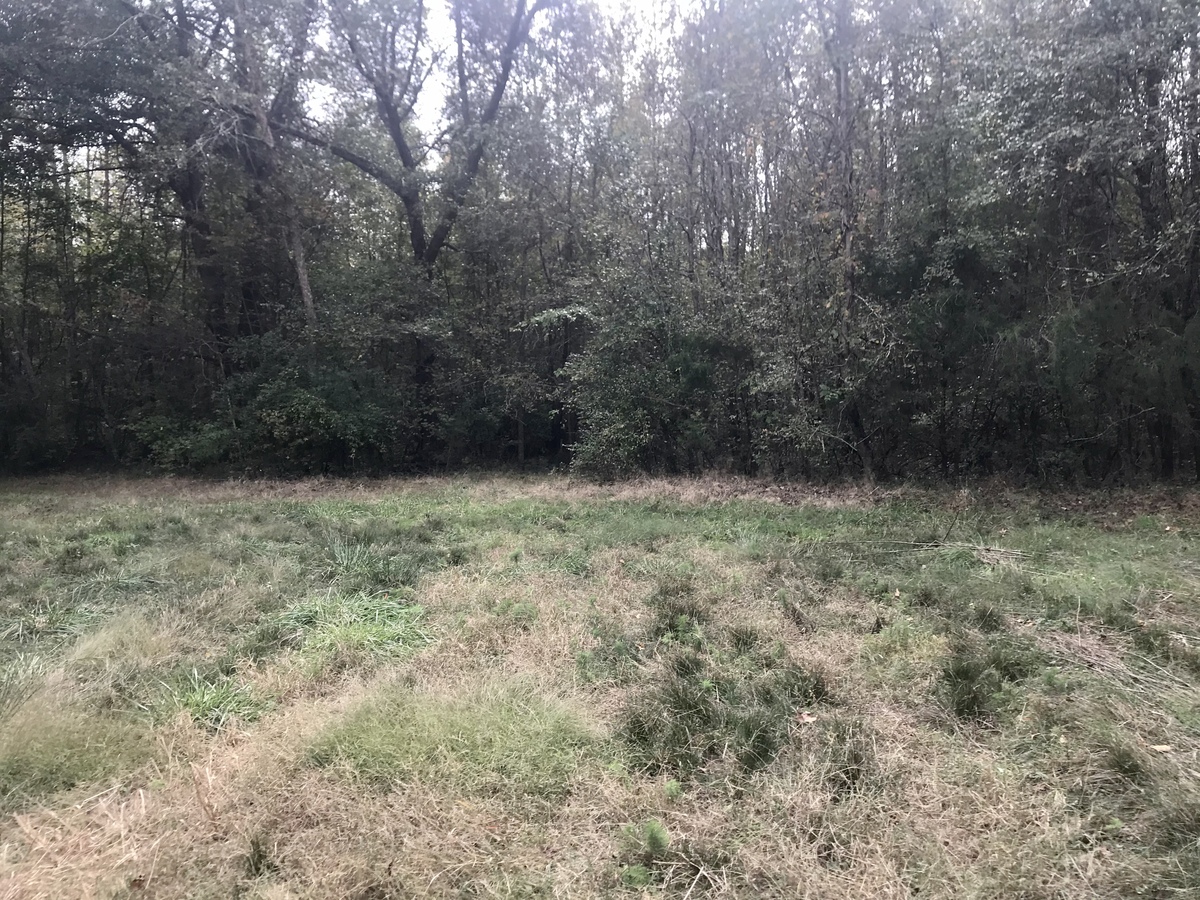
(818, 238)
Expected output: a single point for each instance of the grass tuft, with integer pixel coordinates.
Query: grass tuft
(975, 676)
(342, 630)
(698, 711)
(20, 676)
(500, 740)
(847, 756)
(45, 749)
(214, 701)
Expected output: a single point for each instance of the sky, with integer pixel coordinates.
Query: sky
(441, 33)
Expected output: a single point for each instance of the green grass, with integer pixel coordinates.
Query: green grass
(214, 700)
(46, 749)
(347, 629)
(498, 740)
(525, 687)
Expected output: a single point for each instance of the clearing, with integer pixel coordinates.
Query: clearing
(503, 687)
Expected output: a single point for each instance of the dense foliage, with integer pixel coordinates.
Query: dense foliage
(826, 238)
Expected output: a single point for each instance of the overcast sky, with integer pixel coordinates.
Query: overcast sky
(441, 33)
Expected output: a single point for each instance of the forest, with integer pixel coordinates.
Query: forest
(823, 239)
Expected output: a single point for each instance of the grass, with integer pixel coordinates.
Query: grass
(213, 701)
(534, 688)
(343, 630)
(47, 749)
(495, 740)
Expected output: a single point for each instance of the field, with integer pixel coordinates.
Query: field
(536, 688)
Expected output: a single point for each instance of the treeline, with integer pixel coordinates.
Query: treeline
(822, 238)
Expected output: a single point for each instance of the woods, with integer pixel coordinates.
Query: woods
(927, 239)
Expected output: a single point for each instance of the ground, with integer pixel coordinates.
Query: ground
(491, 687)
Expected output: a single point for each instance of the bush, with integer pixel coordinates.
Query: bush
(289, 408)
(652, 393)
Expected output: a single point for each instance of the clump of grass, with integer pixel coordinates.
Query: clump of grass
(358, 563)
(846, 756)
(500, 740)
(521, 613)
(678, 620)
(214, 701)
(975, 676)
(45, 749)
(927, 596)
(614, 658)
(1159, 641)
(697, 712)
(361, 565)
(1177, 823)
(797, 615)
(744, 639)
(259, 860)
(1125, 759)
(48, 619)
(821, 560)
(988, 617)
(577, 562)
(902, 643)
(19, 678)
(354, 628)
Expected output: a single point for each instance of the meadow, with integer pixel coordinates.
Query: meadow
(535, 687)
